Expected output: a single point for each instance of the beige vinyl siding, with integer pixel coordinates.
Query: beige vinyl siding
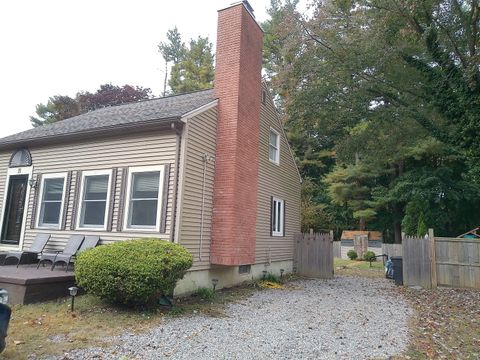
(4, 160)
(147, 149)
(200, 140)
(281, 181)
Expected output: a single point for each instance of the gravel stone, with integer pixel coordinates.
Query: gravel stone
(343, 318)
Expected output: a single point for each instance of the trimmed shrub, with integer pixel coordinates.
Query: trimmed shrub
(133, 272)
(352, 254)
(369, 256)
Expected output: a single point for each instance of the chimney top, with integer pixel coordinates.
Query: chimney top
(244, 3)
(248, 6)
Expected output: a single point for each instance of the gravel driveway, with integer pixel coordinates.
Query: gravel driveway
(344, 318)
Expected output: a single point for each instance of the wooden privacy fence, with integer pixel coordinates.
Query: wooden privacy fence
(314, 255)
(337, 249)
(392, 249)
(433, 261)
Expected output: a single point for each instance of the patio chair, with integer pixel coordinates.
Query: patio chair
(90, 242)
(71, 247)
(36, 248)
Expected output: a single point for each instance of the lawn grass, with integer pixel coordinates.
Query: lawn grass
(50, 328)
(358, 268)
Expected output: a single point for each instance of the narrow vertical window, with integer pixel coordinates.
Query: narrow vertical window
(274, 147)
(144, 198)
(277, 216)
(94, 200)
(51, 200)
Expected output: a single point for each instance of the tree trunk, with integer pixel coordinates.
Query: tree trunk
(362, 224)
(165, 79)
(397, 225)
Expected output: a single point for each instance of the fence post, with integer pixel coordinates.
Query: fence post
(433, 257)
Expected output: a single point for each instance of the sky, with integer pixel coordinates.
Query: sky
(61, 47)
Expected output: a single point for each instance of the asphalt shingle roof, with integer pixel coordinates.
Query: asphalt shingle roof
(127, 115)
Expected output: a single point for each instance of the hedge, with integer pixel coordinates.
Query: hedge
(133, 272)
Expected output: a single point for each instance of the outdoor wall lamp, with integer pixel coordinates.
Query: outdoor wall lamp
(33, 183)
(73, 292)
(214, 283)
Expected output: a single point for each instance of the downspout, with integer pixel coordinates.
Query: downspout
(205, 158)
(178, 132)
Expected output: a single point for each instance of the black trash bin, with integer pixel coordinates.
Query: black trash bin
(5, 313)
(397, 270)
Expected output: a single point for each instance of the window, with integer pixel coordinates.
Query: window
(51, 202)
(244, 269)
(95, 197)
(274, 147)
(277, 217)
(144, 194)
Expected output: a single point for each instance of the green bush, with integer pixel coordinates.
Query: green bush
(352, 254)
(133, 272)
(272, 278)
(369, 256)
(205, 294)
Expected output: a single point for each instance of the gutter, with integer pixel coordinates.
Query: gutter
(112, 130)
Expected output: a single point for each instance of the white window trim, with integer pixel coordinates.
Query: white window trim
(282, 217)
(27, 170)
(278, 146)
(40, 201)
(107, 205)
(140, 169)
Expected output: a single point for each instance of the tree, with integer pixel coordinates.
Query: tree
(63, 107)
(195, 71)
(192, 67)
(57, 108)
(392, 89)
(172, 51)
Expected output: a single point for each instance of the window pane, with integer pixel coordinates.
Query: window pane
(272, 154)
(279, 214)
(273, 139)
(143, 212)
(274, 217)
(93, 213)
(145, 185)
(96, 187)
(50, 213)
(53, 189)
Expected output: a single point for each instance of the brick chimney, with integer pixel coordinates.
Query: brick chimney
(238, 87)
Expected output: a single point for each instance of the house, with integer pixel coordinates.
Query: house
(211, 170)
(361, 242)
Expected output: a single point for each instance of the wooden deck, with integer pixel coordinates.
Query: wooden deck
(27, 284)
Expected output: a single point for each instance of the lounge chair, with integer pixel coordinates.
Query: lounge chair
(72, 246)
(90, 242)
(36, 248)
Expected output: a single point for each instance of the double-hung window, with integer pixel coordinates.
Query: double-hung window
(274, 146)
(51, 202)
(144, 198)
(95, 196)
(277, 217)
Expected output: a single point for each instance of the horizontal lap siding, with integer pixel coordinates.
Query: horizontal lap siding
(137, 150)
(201, 139)
(281, 181)
(4, 160)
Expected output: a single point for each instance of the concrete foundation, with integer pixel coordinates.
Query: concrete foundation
(227, 276)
